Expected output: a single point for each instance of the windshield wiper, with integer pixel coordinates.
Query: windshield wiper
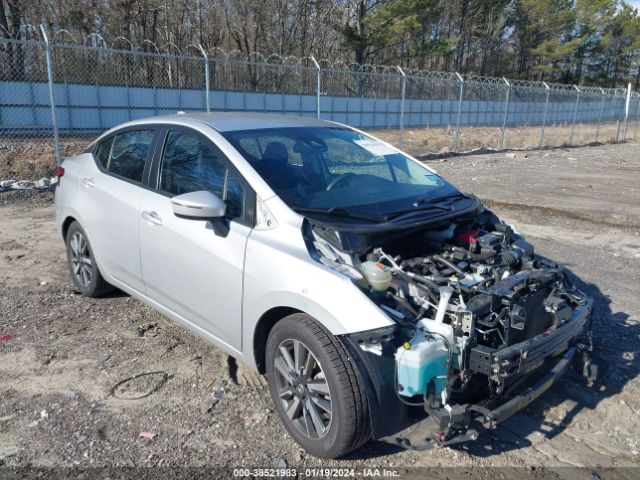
(337, 212)
(437, 200)
(440, 203)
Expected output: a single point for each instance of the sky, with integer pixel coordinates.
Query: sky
(635, 3)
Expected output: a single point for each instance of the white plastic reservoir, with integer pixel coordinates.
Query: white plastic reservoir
(425, 360)
(377, 275)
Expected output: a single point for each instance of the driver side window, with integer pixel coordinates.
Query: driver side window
(190, 164)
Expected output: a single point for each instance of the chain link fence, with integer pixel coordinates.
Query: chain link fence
(55, 96)
(260, 85)
(26, 139)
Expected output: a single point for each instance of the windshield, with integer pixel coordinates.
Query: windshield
(338, 169)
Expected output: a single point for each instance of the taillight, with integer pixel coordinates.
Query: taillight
(59, 172)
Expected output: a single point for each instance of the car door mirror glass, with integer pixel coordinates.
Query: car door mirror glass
(199, 205)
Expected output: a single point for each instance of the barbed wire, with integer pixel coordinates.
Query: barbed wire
(99, 82)
(146, 47)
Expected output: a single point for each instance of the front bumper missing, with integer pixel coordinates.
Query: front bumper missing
(526, 356)
(461, 423)
(424, 428)
(520, 401)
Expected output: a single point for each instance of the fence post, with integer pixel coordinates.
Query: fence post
(54, 118)
(506, 113)
(206, 76)
(626, 113)
(575, 115)
(155, 99)
(544, 115)
(318, 72)
(461, 80)
(600, 114)
(635, 135)
(99, 102)
(404, 90)
(618, 128)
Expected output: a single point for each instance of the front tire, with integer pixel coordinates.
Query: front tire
(82, 264)
(316, 389)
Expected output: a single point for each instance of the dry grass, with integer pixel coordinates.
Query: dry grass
(424, 141)
(33, 157)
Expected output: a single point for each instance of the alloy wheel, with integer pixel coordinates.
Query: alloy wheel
(81, 261)
(303, 389)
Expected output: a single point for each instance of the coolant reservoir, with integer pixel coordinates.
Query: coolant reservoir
(377, 275)
(424, 361)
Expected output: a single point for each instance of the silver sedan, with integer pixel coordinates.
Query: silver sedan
(377, 298)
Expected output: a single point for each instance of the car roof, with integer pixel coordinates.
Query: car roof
(232, 121)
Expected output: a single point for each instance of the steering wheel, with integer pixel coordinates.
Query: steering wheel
(339, 179)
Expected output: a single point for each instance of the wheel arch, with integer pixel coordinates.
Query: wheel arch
(66, 224)
(72, 216)
(261, 332)
(352, 314)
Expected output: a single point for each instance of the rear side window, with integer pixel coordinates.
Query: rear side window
(103, 151)
(190, 164)
(128, 154)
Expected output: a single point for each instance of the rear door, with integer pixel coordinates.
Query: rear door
(194, 268)
(110, 199)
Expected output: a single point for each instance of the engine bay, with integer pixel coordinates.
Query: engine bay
(459, 293)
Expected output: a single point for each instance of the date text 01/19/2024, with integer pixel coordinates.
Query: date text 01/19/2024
(315, 473)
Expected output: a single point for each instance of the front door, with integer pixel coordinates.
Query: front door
(188, 266)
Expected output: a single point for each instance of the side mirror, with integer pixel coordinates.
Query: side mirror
(198, 205)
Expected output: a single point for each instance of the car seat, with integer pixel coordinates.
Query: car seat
(275, 168)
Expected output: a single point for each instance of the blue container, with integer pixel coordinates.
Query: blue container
(426, 360)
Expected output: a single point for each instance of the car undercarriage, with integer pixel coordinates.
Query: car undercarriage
(482, 326)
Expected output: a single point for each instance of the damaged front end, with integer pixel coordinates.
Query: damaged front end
(482, 326)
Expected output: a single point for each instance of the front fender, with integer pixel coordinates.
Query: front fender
(337, 322)
(277, 276)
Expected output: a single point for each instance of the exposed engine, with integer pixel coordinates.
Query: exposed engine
(459, 292)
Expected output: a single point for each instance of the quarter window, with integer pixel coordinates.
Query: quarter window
(190, 164)
(128, 154)
(103, 151)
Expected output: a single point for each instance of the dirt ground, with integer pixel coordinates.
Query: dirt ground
(80, 378)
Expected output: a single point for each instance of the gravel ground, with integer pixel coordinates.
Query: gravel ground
(81, 379)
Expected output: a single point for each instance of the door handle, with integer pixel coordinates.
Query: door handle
(152, 217)
(88, 182)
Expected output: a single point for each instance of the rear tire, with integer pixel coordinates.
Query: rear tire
(316, 389)
(82, 264)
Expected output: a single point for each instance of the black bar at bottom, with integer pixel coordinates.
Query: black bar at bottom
(520, 401)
